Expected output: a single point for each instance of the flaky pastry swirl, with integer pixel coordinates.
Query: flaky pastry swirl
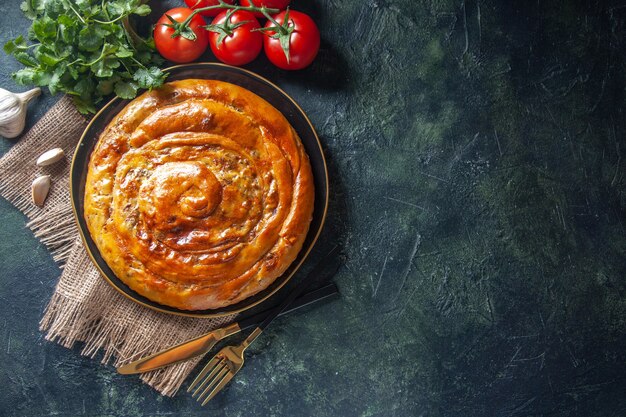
(198, 194)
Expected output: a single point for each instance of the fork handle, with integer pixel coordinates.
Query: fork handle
(325, 268)
(251, 337)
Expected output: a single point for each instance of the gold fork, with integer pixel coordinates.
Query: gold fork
(228, 361)
(221, 369)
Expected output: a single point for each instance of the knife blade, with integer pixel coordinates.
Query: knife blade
(202, 344)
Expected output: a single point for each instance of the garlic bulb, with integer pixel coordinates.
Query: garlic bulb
(13, 111)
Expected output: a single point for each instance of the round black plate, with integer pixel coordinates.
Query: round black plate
(262, 88)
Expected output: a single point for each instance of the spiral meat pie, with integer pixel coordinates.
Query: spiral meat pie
(199, 194)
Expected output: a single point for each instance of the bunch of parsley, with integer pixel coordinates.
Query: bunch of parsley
(82, 48)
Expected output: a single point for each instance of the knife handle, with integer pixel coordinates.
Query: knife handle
(202, 344)
(315, 296)
(181, 352)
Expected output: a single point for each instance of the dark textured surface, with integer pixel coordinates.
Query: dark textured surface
(477, 165)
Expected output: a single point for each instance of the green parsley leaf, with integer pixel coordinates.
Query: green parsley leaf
(115, 9)
(47, 56)
(82, 5)
(143, 56)
(25, 59)
(54, 83)
(32, 8)
(24, 76)
(73, 72)
(54, 8)
(83, 106)
(17, 44)
(68, 28)
(80, 47)
(90, 38)
(32, 76)
(84, 87)
(149, 77)
(109, 49)
(126, 90)
(26, 7)
(101, 69)
(105, 87)
(124, 52)
(45, 29)
(142, 10)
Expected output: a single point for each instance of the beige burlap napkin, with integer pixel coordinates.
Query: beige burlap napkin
(84, 308)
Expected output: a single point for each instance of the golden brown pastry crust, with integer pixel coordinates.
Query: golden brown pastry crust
(199, 194)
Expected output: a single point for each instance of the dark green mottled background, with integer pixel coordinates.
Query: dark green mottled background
(478, 161)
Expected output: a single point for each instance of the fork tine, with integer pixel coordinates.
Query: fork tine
(216, 386)
(209, 366)
(210, 378)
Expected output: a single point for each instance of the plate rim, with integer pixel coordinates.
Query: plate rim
(197, 313)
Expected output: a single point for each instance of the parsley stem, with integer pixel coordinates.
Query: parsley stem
(102, 55)
(137, 62)
(110, 21)
(126, 66)
(69, 4)
(94, 62)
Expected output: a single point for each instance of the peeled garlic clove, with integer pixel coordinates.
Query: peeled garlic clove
(50, 157)
(40, 187)
(13, 111)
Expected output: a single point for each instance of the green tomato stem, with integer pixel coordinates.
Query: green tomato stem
(279, 27)
(226, 6)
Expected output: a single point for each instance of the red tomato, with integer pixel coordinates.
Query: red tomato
(304, 42)
(242, 45)
(196, 4)
(179, 49)
(272, 4)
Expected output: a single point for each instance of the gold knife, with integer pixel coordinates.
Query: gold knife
(202, 344)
